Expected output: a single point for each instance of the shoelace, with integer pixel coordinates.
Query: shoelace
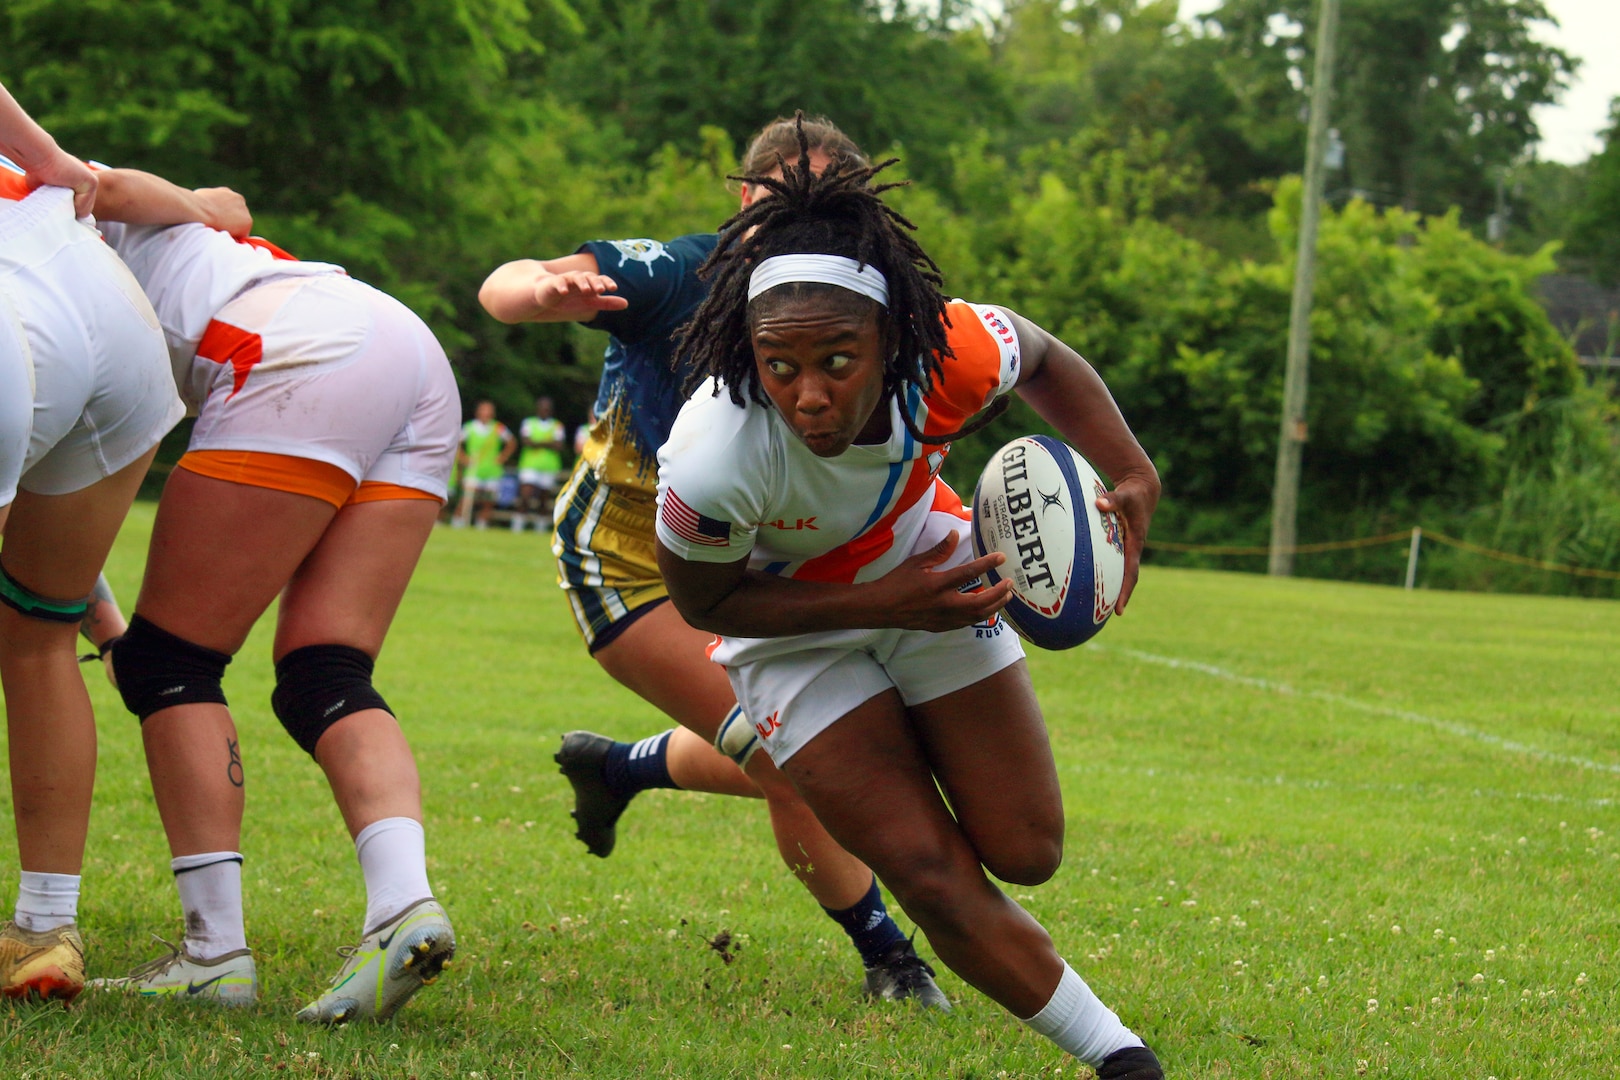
(347, 952)
(160, 964)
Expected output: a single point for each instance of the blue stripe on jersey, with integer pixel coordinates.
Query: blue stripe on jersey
(776, 567)
(894, 470)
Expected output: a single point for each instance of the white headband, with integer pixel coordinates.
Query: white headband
(828, 269)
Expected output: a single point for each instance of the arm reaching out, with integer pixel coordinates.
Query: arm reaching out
(140, 198)
(42, 161)
(569, 289)
(1068, 393)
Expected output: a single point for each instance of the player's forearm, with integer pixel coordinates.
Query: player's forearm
(1068, 393)
(760, 605)
(508, 293)
(21, 139)
(140, 198)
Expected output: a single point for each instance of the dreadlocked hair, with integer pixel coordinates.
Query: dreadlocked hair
(839, 212)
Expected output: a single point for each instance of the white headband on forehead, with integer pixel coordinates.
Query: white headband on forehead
(828, 269)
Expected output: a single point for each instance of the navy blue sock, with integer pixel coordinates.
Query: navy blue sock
(634, 767)
(868, 925)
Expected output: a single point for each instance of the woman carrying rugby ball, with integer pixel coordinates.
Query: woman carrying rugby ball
(802, 520)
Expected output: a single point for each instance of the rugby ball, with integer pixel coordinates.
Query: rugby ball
(1036, 503)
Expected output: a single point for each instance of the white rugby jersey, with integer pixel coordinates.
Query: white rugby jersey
(735, 481)
(189, 272)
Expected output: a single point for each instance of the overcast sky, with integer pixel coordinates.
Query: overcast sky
(1589, 30)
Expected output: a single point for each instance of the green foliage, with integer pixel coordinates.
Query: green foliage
(1115, 175)
(1594, 230)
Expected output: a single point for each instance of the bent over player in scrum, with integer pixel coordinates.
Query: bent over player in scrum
(837, 377)
(327, 505)
(85, 395)
(640, 291)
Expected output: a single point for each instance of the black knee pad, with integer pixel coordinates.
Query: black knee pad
(156, 669)
(20, 598)
(317, 686)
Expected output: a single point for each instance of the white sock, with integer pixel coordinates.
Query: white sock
(1079, 1023)
(210, 887)
(46, 901)
(517, 522)
(393, 857)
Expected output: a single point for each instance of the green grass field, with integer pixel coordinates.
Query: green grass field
(1315, 830)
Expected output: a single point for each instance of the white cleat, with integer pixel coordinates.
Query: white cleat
(390, 964)
(231, 979)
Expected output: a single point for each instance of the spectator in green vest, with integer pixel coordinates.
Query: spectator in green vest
(543, 438)
(486, 445)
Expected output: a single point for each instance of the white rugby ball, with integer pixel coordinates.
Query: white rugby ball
(1036, 503)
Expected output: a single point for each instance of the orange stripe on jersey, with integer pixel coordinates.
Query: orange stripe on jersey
(223, 343)
(947, 501)
(972, 374)
(377, 491)
(13, 185)
(264, 245)
(278, 472)
(843, 562)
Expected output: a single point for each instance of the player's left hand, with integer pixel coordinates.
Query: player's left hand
(1134, 499)
(226, 211)
(64, 170)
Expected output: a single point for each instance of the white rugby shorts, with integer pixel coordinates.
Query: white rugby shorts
(792, 697)
(345, 374)
(71, 313)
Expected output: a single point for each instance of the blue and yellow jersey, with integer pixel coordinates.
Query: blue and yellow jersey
(641, 392)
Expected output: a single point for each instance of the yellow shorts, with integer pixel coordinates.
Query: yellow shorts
(606, 555)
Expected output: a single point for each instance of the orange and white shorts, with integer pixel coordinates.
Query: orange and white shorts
(326, 387)
(85, 382)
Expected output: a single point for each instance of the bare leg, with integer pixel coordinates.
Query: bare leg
(663, 660)
(870, 778)
(55, 545)
(211, 594)
(346, 593)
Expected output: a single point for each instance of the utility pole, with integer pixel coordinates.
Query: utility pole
(1291, 439)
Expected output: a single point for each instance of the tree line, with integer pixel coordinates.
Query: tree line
(1121, 177)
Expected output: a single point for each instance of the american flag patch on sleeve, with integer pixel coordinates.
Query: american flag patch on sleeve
(692, 526)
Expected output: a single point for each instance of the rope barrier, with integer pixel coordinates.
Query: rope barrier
(1297, 549)
(1404, 536)
(1524, 560)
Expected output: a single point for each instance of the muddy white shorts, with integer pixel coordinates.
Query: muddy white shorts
(331, 370)
(72, 315)
(793, 697)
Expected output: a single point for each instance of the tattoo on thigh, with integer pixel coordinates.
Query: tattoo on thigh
(233, 771)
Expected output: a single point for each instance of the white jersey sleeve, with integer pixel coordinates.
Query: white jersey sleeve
(714, 477)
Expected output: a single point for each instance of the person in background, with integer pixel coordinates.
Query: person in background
(486, 446)
(543, 438)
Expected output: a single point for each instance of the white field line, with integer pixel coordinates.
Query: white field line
(1462, 731)
(1432, 791)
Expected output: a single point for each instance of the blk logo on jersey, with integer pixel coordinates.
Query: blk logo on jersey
(797, 525)
(998, 326)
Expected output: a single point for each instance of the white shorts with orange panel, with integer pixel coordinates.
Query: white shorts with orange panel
(76, 329)
(332, 372)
